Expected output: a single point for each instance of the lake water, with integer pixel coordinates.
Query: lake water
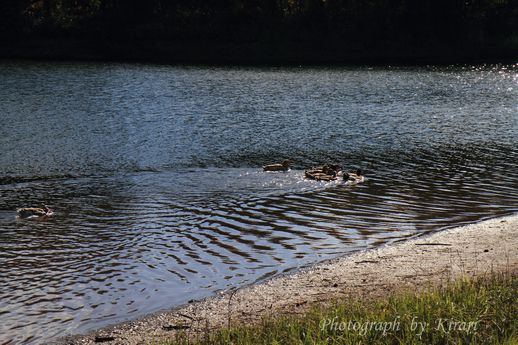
(154, 174)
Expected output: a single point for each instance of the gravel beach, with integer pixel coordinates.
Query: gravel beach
(473, 250)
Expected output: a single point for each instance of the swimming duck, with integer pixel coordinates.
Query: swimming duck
(354, 177)
(327, 172)
(319, 176)
(34, 212)
(284, 166)
(331, 169)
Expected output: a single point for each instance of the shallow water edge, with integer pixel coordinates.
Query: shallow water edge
(485, 247)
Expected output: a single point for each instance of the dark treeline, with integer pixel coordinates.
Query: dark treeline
(267, 30)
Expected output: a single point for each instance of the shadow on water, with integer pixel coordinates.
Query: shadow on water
(160, 198)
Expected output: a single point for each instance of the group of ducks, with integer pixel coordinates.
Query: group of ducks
(327, 172)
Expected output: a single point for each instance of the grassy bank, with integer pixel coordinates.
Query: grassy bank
(481, 311)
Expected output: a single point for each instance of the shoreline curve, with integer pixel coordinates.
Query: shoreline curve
(472, 250)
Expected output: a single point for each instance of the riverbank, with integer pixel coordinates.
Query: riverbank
(479, 310)
(473, 250)
(247, 53)
(275, 32)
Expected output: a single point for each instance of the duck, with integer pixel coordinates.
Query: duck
(332, 169)
(354, 177)
(284, 166)
(319, 176)
(34, 212)
(327, 172)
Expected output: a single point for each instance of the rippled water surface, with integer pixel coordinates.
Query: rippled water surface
(154, 174)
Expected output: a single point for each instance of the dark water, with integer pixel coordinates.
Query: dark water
(154, 173)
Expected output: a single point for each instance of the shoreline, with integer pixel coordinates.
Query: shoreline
(477, 249)
(222, 53)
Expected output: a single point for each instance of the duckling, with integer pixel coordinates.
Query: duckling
(284, 166)
(34, 212)
(354, 177)
(324, 173)
(331, 169)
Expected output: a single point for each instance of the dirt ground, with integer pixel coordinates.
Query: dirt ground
(472, 250)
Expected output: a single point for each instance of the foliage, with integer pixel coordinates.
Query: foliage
(487, 306)
(352, 25)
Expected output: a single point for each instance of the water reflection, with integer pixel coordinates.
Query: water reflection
(153, 172)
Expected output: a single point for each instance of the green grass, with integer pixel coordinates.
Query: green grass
(481, 311)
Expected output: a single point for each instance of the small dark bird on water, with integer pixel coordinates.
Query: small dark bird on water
(34, 212)
(331, 169)
(354, 177)
(284, 166)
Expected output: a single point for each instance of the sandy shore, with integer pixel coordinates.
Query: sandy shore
(477, 249)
